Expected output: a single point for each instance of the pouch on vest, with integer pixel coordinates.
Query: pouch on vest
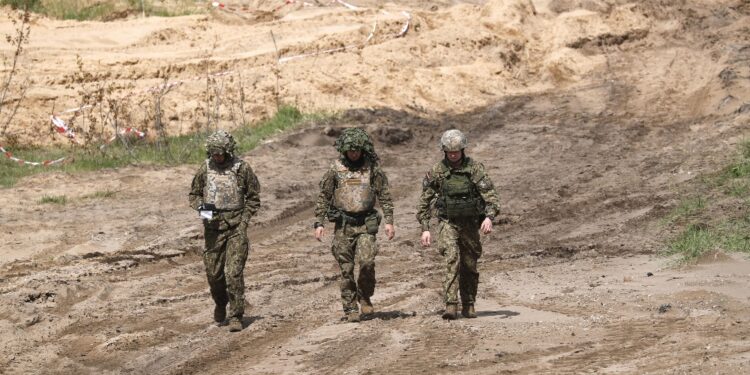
(372, 222)
(459, 197)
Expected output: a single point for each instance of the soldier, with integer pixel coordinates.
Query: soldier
(347, 199)
(225, 191)
(466, 202)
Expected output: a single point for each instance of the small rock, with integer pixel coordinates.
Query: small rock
(664, 308)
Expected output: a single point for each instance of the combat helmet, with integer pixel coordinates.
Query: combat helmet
(453, 140)
(220, 141)
(352, 139)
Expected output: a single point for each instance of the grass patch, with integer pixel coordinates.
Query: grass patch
(100, 194)
(185, 149)
(735, 235)
(729, 216)
(53, 199)
(83, 10)
(737, 188)
(687, 208)
(740, 167)
(693, 242)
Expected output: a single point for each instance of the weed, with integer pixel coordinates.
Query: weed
(177, 150)
(100, 194)
(737, 188)
(735, 234)
(693, 242)
(53, 199)
(740, 168)
(12, 93)
(687, 208)
(83, 10)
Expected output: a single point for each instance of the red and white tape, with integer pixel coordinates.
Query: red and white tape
(350, 6)
(244, 9)
(404, 28)
(10, 156)
(304, 55)
(401, 33)
(63, 128)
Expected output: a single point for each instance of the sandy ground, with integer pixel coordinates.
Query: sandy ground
(591, 117)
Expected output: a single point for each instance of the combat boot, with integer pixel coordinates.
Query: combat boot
(235, 324)
(220, 313)
(468, 311)
(352, 317)
(451, 311)
(366, 306)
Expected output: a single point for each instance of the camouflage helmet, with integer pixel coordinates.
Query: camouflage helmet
(356, 139)
(220, 141)
(353, 139)
(453, 140)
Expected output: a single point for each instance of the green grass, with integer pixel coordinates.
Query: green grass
(737, 188)
(100, 194)
(687, 208)
(730, 187)
(740, 167)
(693, 242)
(53, 199)
(185, 149)
(83, 10)
(33, 5)
(735, 235)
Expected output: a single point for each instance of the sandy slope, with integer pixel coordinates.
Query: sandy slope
(590, 116)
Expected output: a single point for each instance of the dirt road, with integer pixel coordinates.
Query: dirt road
(591, 131)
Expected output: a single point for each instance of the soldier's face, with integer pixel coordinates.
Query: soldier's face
(453, 156)
(218, 158)
(353, 155)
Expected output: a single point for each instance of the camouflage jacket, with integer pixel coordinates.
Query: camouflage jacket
(249, 187)
(432, 186)
(378, 181)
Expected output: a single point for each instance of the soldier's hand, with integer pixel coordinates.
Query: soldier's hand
(390, 231)
(486, 226)
(319, 233)
(426, 239)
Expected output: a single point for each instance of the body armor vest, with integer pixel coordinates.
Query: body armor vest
(223, 188)
(354, 193)
(460, 198)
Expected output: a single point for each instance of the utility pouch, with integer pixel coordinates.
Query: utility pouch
(372, 222)
(333, 215)
(460, 199)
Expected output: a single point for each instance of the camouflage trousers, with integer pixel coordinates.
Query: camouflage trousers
(353, 244)
(460, 247)
(224, 256)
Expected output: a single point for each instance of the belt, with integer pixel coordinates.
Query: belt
(357, 218)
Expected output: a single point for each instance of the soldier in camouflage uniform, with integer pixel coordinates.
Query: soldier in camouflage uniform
(227, 187)
(347, 199)
(466, 203)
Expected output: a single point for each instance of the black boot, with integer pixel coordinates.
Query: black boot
(467, 311)
(220, 313)
(451, 311)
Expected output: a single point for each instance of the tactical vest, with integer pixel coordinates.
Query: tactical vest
(354, 193)
(223, 187)
(460, 199)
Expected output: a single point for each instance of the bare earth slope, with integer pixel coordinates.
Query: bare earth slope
(590, 117)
